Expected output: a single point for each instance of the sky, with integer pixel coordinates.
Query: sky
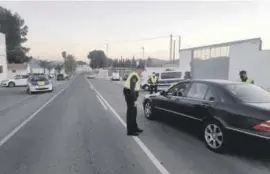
(80, 27)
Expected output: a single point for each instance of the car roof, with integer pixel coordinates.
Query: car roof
(215, 81)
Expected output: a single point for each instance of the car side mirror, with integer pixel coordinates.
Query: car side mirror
(212, 99)
(163, 93)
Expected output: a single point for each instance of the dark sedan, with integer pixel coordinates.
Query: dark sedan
(221, 106)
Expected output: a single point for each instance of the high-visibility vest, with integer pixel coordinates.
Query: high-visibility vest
(172, 84)
(127, 82)
(154, 79)
(249, 80)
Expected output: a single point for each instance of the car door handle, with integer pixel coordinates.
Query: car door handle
(206, 105)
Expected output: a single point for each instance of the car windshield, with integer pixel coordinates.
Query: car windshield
(39, 78)
(249, 93)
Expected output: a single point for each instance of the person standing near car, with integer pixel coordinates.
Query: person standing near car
(131, 93)
(153, 83)
(244, 78)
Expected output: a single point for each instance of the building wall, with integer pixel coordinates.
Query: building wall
(248, 56)
(185, 59)
(3, 57)
(18, 72)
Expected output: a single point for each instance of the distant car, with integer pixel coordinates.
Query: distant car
(115, 76)
(223, 107)
(91, 76)
(38, 83)
(60, 77)
(18, 80)
(125, 77)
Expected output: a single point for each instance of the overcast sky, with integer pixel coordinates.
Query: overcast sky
(79, 27)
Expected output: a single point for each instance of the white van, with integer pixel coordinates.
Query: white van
(165, 79)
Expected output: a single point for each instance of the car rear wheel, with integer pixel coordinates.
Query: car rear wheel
(214, 136)
(11, 84)
(149, 110)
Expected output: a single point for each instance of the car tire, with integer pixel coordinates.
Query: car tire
(11, 84)
(149, 111)
(215, 136)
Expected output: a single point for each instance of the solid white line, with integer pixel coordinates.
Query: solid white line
(103, 104)
(150, 155)
(14, 131)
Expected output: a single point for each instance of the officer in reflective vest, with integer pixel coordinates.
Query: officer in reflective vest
(153, 85)
(244, 78)
(131, 93)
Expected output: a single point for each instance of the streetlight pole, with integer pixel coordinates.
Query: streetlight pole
(107, 52)
(143, 52)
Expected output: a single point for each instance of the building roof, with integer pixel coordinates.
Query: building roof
(17, 66)
(223, 44)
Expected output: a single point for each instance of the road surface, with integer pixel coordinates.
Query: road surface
(80, 129)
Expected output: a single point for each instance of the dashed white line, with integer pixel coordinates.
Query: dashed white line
(150, 155)
(14, 131)
(103, 104)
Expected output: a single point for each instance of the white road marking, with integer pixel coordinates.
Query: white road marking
(103, 104)
(14, 131)
(150, 155)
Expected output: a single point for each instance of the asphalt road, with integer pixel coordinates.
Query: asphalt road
(80, 130)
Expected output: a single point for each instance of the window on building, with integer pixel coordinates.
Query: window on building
(1, 69)
(13, 71)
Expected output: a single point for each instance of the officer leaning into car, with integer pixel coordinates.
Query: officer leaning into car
(244, 78)
(131, 93)
(153, 83)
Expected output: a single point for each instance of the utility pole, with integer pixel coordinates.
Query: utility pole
(179, 47)
(143, 52)
(107, 52)
(170, 47)
(173, 51)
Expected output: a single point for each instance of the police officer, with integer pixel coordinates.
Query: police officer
(131, 93)
(153, 85)
(244, 78)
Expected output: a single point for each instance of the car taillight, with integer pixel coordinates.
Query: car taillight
(264, 126)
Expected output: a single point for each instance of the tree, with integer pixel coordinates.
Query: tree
(15, 30)
(81, 63)
(97, 59)
(50, 66)
(70, 64)
(64, 54)
(44, 64)
(59, 67)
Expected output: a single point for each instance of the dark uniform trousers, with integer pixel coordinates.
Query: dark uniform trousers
(153, 88)
(131, 111)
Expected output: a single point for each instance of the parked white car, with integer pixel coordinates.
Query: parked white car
(116, 76)
(39, 83)
(18, 80)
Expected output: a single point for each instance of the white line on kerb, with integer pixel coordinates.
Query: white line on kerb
(14, 131)
(150, 155)
(103, 104)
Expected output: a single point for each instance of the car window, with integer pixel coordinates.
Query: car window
(171, 75)
(24, 76)
(179, 89)
(197, 91)
(249, 93)
(210, 96)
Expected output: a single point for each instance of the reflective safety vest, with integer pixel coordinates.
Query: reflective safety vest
(154, 79)
(127, 82)
(173, 84)
(249, 80)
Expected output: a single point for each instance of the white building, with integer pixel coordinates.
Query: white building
(17, 69)
(3, 58)
(225, 60)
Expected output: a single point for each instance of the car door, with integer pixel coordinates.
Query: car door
(169, 101)
(199, 99)
(24, 80)
(18, 80)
